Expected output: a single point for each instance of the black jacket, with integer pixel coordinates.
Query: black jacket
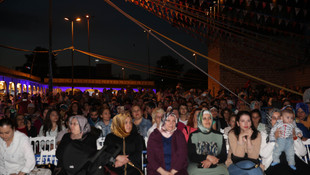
(134, 144)
(74, 155)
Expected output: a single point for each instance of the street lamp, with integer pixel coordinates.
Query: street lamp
(194, 55)
(88, 34)
(148, 50)
(123, 70)
(72, 51)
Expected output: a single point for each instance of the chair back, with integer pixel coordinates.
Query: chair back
(144, 162)
(44, 149)
(307, 156)
(100, 142)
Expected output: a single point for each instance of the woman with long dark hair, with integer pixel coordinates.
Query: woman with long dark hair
(74, 109)
(244, 146)
(52, 124)
(192, 123)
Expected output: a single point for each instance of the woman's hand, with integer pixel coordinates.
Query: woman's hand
(277, 133)
(206, 164)
(214, 160)
(173, 171)
(244, 135)
(161, 171)
(121, 160)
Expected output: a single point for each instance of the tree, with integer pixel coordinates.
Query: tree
(169, 71)
(37, 63)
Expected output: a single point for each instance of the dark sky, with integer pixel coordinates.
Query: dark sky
(24, 24)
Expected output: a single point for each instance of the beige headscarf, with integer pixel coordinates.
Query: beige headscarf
(118, 125)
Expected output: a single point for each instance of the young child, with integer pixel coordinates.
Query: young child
(285, 141)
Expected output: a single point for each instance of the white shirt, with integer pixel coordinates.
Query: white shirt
(50, 133)
(18, 156)
(184, 122)
(154, 126)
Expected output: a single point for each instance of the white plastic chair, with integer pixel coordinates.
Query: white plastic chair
(40, 144)
(100, 142)
(307, 145)
(144, 162)
(44, 149)
(145, 141)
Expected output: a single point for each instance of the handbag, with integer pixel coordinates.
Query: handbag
(238, 160)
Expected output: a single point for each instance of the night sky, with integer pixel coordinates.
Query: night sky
(24, 24)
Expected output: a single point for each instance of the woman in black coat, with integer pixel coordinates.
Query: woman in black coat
(124, 134)
(77, 148)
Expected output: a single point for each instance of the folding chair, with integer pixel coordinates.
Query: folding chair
(307, 145)
(144, 162)
(44, 149)
(100, 142)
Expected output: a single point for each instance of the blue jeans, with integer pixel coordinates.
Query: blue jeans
(286, 145)
(236, 169)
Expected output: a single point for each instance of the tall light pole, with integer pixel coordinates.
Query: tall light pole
(72, 51)
(194, 55)
(148, 51)
(123, 70)
(88, 36)
(50, 54)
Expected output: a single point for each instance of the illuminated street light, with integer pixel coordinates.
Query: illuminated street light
(72, 51)
(194, 55)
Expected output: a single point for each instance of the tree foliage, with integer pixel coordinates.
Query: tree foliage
(38, 63)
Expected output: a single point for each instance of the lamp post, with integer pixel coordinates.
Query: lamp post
(72, 51)
(50, 54)
(123, 70)
(194, 55)
(88, 34)
(148, 51)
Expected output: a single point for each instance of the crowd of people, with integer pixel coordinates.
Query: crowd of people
(183, 131)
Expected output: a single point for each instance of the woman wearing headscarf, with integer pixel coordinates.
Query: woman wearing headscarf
(267, 148)
(132, 143)
(302, 114)
(206, 148)
(77, 147)
(167, 149)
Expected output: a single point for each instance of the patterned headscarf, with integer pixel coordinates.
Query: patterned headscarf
(163, 129)
(199, 120)
(304, 107)
(118, 125)
(83, 123)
